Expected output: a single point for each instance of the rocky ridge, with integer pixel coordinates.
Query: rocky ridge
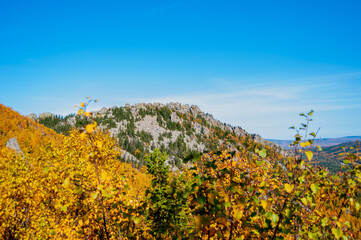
(175, 128)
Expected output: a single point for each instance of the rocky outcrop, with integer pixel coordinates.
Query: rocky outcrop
(13, 144)
(128, 157)
(32, 116)
(174, 118)
(175, 127)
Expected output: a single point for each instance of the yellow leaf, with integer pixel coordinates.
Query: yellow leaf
(83, 135)
(99, 144)
(309, 155)
(137, 220)
(87, 97)
(264, 204)
(238, 214)
(357, 206)
(94, 195)
(104, 175)
(289, 187)
(67, 182)
(305, 144)
(87, 114)
(337, 232)
(89, 128)
(75, 106)
(80, 112)
(82, 104)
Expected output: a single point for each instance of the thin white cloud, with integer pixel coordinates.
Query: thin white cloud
(257, 107)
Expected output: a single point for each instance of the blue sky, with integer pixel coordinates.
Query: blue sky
(256, 64)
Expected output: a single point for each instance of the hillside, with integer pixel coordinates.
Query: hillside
(332, 157)
(29, 134)
(179, 130)
(73, 186)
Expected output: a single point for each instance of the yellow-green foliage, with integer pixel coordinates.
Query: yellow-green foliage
(74, 187)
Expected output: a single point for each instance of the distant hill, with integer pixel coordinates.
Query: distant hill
(330, 157)
(323, 142)
(30, 135)
(180, 130)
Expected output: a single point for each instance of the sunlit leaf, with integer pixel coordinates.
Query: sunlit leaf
(337, 232)
(309, 155)
(262, 153)
(315, 188)
(289, 187)
(357, 206)
(238, 214)
(89, 128)
(80, 111)
(305, 144)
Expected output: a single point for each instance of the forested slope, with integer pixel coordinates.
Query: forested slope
(78, 187)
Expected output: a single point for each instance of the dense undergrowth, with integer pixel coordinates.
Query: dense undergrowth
(74, 187)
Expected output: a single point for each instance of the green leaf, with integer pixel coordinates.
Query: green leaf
(238, 214)
(309, 155)
(201, 200)
(357, 206)
(274, 218)
(346, 161)
(312, 235)
(319, 148)
(137, 220)
(94, 195)
(310, 113)
(262, 153)
(337, 232)
(313, 134)
(315, 188)
(227, 204)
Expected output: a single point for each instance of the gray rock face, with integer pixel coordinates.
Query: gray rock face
(13, 144)
(175, 118)
(239, 131)
(150, 125)
(129, 157)
(32, 116)
(163, 134)
(102, 111)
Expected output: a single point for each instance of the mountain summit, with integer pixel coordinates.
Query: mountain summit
(180, 130)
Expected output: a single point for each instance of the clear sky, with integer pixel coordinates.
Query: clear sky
(256, 64)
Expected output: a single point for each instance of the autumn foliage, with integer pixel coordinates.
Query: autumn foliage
(75, 187)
